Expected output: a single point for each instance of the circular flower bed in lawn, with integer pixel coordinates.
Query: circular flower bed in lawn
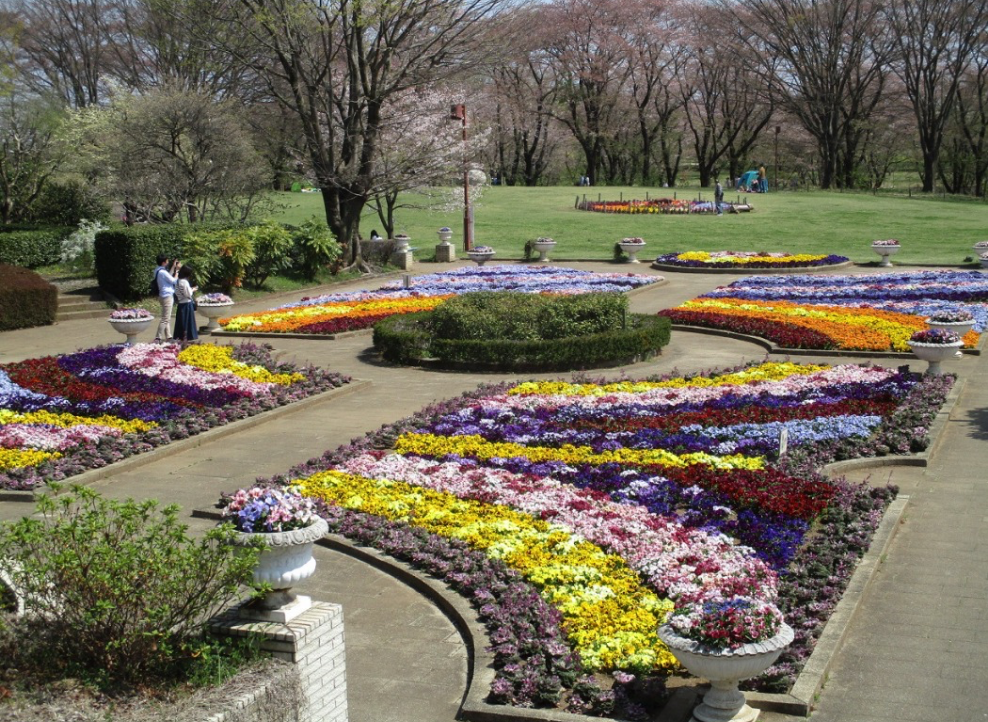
(713, 261)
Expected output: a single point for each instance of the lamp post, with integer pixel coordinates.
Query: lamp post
(459, 112)
(776, 183)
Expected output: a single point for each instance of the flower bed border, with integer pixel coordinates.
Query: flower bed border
(827, 352)
(746, 270)
(135, 461)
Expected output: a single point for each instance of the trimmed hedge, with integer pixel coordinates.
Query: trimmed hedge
(26, 299)
(408, 339)
(32, 247)
(126, 257)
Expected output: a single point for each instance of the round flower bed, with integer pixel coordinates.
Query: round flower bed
(731, 260)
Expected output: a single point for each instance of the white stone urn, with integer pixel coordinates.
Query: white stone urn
(724, 702)
(445, 235)
(935, 353)
(286, 561)
(983, 257)
(130, 327)
(480, 257)
(632, 250)
(886, 252)
(958, 327)
(544, 246)
(401, 242)
(214, 312)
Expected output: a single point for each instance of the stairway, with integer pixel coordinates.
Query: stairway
(81, 303)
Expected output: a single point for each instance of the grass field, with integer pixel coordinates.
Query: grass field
(931, 230)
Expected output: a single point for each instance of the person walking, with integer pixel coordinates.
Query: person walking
(185, 316)
(719, 198)
(165, 278)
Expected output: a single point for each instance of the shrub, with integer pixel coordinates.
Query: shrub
(272, 251)
(220, 256)
(126, 256)
(78, 247)
(26, 299)
(313, 247)
(404, 338)
(67, 204)
(117, 591)
(31, 247)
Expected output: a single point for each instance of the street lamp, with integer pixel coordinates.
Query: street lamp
(459, 112)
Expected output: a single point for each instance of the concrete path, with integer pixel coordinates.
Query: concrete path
(406, 662)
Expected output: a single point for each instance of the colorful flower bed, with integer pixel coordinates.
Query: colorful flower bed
(747, 259)
(62, 415)
(347, 311)
(652, 206)
(614, 501)
(868, 312)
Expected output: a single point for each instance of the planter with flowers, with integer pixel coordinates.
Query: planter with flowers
(213, 306)
(445, 235)
(980, 247)
(401, 242)
(983, 257)
(480, 254)
(886, 249)
(632, 247)
(130, 322)
(287, 525)
(957, 320)
(543, 246)
(726, 641)
(935, 345)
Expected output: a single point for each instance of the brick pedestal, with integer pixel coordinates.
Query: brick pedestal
(402, 259)
(313, 642)
(445, 253)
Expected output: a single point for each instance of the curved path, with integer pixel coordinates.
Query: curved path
(914, 645)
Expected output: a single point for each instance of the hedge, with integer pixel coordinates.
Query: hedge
(32, 247)
(408, 339)
(26, 299)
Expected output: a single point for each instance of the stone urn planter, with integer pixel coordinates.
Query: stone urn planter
(935, 353)
(544, 246)
(886, 252)
(480, 254)
(445, 235)
(632, 249)
(213, 313)
(131, 327)
(401, 242)
(724, 702)
(983, 257)
(286, 560)
(960, 327)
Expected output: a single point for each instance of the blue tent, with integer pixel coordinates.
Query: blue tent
(748, 178)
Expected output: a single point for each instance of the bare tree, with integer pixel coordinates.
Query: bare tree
(935, 40)
(971, 118)
(337, 64)
(29, 153)
(824, 62)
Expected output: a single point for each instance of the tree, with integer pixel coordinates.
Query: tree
(935, 40)
(824, 61)
(337, 64)
(29, 153)
(972, 118)
(171, 155)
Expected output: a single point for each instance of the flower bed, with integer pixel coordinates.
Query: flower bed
(614, 501)
(336, 312)
(873, 312)
(747, 259)
(665, 206)
(63, 415)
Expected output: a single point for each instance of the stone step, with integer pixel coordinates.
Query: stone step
(75, 315)
(75, 303)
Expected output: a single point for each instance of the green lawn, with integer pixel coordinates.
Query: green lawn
(931, 230)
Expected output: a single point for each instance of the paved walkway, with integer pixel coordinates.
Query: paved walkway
(406, 662)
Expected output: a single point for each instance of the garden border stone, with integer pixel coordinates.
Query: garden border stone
(217, 432)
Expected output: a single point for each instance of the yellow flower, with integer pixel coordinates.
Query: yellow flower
(18, 458)
(65, 420)
(219, 359)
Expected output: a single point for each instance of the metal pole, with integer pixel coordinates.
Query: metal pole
(776, 184)
(467, 227)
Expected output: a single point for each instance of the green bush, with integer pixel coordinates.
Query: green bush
(119, 593)
(220, 257)
(32, 247)
(313, 247)
(67, 204)
(496, 331)
(527, 316)
(126, 256)
(272, 251)
(26, 299)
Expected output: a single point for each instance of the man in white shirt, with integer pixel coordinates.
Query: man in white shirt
(166, 278)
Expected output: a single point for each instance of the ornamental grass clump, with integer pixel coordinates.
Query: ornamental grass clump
(727, 623)
(260, 510)
(117, 593)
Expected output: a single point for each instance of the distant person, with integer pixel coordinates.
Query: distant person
(165, 278)
(762, 180)
(185, 317)
(374, 236)
(719, 198)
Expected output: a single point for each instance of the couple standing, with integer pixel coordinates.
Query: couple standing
(174, 284)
